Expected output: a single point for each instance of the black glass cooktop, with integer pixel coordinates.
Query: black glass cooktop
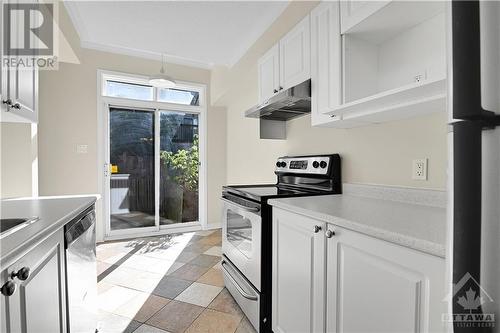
(258, 192)
(267, 191)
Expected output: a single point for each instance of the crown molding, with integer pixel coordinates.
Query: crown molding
(77, 21)
(85, 42)
(145, 54)
(257, 33)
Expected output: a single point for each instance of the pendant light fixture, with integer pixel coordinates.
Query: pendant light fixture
(162, 80)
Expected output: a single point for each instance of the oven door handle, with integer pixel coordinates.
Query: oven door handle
(238, 287)
(248, 209)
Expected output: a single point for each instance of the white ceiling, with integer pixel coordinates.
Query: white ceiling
(197, 33)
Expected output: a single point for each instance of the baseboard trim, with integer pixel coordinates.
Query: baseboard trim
(212, 226)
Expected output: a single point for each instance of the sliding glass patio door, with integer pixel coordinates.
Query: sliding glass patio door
(154, 170)
(179, 167)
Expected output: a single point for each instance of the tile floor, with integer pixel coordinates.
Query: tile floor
(166, 284)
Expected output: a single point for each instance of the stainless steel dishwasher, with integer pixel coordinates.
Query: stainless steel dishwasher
(81, 273)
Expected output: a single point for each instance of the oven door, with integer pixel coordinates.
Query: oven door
(241, 237)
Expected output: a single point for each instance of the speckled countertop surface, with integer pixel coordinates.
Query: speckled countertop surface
(53, 213)
(416, 226)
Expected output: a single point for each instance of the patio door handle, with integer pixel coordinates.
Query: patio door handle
(106, 169)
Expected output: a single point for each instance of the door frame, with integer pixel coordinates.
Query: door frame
(103, 175)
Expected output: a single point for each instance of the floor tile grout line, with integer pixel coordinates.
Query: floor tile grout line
(157, 312)
(214, 267)
(239, 322)
(118, 263)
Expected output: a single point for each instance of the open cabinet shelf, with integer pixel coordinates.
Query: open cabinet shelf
(393, 63)
(399, 103)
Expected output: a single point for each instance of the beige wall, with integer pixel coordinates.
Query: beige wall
(68, 116)
(16, 160)
(377, 154)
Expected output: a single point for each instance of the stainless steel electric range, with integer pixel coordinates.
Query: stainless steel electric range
(247, 228)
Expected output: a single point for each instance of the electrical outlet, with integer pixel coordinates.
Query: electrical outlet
(419, 77)
(420, 169)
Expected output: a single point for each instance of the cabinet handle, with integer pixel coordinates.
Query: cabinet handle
(275, 91)
(23, 274)
(329, 233)
(317, 229)
(8, 288)
(7, 101)
(16, 106)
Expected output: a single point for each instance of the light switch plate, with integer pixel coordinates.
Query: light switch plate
(82, 149)
(420, 169)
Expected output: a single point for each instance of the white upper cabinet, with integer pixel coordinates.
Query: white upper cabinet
(3, 90)
(287, 63)
(3, 72)
(19, 88)
(25, 93)
(376, 286)
(354, 11)
(326, 65)
(20, 100)
(268, 67)
(373, 62)
(295, 56)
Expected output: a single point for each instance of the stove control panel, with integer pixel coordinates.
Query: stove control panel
(317, 165)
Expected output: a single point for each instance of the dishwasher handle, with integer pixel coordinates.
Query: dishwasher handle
(78, 226)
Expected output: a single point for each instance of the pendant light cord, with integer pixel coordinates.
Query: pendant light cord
(162, 71)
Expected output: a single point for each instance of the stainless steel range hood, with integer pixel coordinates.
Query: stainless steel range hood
(291, 103)
(274, 113)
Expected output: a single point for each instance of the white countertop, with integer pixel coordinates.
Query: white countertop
(415, 226)
(53, 213)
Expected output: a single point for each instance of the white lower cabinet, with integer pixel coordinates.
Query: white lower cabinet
(38, 303)
(350, 281)
(377, 286)
(298, 273)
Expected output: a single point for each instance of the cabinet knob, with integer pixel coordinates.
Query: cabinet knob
(23, 274)
(8, 288)
(317, 229)
(7, 101)
(275, 91)
(329, 233)
(16, 106)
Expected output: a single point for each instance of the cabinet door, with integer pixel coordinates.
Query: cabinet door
(3, 71)
(355, 11)
(39, 303)
(20, 84)
(298, 273)
(25, 93)
(268, 68)
(325, 61)
(295, 55)
(377, 286)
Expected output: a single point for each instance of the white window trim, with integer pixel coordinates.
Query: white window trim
(103, 103)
